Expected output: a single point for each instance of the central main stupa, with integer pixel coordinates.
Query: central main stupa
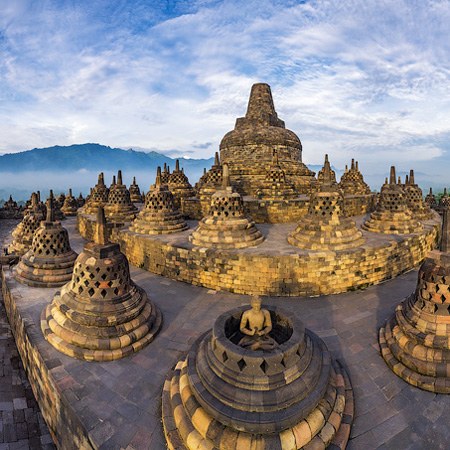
(248, 149)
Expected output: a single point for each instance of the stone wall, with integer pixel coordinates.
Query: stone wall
(299, 273)
(283, 211)
(63, 423)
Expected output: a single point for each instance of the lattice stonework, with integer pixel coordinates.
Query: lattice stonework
(415, 341)
(49, 261)
(100, 314)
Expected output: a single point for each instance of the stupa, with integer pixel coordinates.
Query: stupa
(414, 199)
(10, 204)
(98, 197)
(119, 207)
(325, 227)
(100, 315)
(352, 181)
(330, 173)
(392, 215)
(159, 215)
(275, 186)
(209, 182)
(430, 199)
(278, 390)
(80, 200)
(70, 206)
(415, 342)
(444, 201)
(179, 185)
(226, 225)
(165, 174)
(135, 192)
(24, 232)
(248, 149)
(50, 260)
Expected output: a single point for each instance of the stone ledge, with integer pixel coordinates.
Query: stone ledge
(275, 267)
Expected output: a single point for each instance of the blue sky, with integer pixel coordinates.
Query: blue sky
(353, 78)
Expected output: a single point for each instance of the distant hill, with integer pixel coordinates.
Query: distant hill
(94, 157)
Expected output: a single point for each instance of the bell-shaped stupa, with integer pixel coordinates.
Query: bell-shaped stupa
(50, 260)
(325, 227)
(415, 342)
(179, 185)
(414, 199)
(23, 234)
(70, 206)
(226, 225)
(275, 185)
(352, 181)
(98, 196)
(392, 215)
(159, 215)
(444, 201)
(430, 199)
(135, 192)
(279, 388)
(209, 182)
(100, 315)
(119, 207)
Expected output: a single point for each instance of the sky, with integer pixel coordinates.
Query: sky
(360, 79)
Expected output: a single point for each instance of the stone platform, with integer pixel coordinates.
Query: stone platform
(117, 404)
(274, 267)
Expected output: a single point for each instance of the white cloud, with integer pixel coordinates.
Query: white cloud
(352, 78)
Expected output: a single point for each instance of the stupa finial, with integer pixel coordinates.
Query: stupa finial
(216, 159)
(260, 103)
(225, 176)
(392, 177)
(356, 166)
(50, 217)
(326, 171)
(411, 177)
(406, 179)
(352, 167)
(158, 176)
(101, 235)
(177, 165)
(101, 178)
(134, 180)
(119, 177)
(70, 192)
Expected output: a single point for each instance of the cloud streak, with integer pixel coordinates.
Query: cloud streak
(352, 78)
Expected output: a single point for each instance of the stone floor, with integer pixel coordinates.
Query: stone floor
(389, 414)
(21, 423)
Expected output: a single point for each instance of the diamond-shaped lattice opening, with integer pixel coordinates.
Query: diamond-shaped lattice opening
(116, 291)
(91, 276)
(86, 283)
(97, 284)
(110, 283)
(80, 290)
(443, 298)
(264, 366)
(103, 293)
(91, 292)
(103, 277)
(241, 364)
(224, 357)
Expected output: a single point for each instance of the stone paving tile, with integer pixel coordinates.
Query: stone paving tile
(389, 413)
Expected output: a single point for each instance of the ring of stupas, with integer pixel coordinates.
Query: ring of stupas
(272, 228)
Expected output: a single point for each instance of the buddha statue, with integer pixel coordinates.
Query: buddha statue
(256, 325)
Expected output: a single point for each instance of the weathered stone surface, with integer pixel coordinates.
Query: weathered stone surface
(226, 396)
(179, 185)
(352, 181)
(100, 315)
(135, 192)
(414, 199)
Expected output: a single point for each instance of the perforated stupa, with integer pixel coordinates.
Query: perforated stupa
(70, 206)
(101, 314)
(352, 181)
(325, 227)
(50, 260)
(415, 342)
(414, 199)
(179, 185)
(135, 192)
(392, 215)
(98, 197)
(159, 215)
(226, 225)
(119, 207)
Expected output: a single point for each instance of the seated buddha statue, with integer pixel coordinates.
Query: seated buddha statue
(256, 325)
